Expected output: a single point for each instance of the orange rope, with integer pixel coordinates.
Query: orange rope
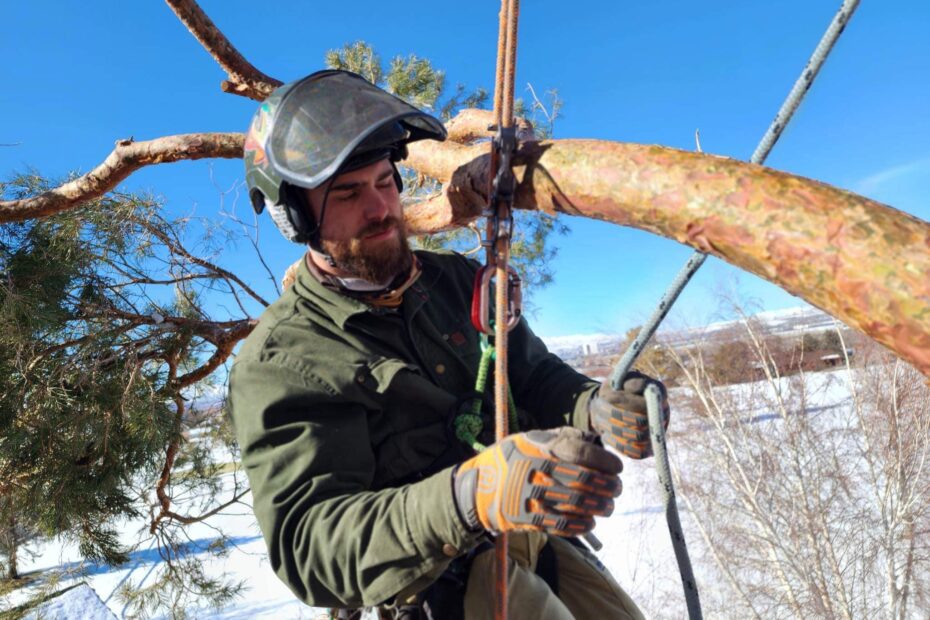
(498, 256)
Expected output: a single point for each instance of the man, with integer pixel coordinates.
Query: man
(346, 396)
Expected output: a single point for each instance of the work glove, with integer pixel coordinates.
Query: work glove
(555, 481)
(620, 416)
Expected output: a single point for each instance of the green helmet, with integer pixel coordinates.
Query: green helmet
(311, 130)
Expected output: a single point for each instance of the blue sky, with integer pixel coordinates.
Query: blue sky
(79, 76)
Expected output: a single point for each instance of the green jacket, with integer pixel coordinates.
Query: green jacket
(343, 413)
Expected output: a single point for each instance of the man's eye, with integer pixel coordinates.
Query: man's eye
(386, 184)
(347, 197)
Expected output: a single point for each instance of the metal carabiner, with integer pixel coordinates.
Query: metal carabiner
(481, 294)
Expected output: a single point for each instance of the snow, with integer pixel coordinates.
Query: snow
(78, 602)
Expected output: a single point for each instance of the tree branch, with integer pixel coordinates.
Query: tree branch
(172, 451)
(244, 79)
(126, 158)
(224, 343)
(189, 520)
(473, 124)
(859, 260)
(174, 244)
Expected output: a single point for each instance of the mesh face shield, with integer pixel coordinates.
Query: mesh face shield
(322, 125)
(323, 118)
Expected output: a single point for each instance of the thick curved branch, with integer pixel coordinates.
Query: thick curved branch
(244, 78)
(861, 261)
(126, 158)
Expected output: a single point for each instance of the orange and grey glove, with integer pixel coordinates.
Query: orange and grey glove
(620, 416)
(555, 480)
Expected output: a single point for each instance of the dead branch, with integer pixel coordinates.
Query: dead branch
(185, 520)
(244, 79)
(126, 158)
(224, 343)
(473, 124)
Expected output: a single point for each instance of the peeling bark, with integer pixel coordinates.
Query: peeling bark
(473, 124)
(859, 260)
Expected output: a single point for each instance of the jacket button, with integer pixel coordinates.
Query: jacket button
(449, 550)
(440, 369)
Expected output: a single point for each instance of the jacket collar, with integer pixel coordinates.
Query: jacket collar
(340, 307)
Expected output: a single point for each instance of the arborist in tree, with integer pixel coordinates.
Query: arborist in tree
(352, 397)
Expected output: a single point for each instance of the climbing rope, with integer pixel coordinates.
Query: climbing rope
(657, 431)
(501, 186)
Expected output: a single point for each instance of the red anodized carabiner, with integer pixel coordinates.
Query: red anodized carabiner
(481, 295)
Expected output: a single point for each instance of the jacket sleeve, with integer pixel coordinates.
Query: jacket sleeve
(331, 539)
(550, 390)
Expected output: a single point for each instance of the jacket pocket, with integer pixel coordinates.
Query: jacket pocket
(382, 372)
(409, 456)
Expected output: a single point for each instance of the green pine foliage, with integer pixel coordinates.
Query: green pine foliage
(92, 345)
(74, 417)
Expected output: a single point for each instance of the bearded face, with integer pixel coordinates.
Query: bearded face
(362, 225)
(377, 254)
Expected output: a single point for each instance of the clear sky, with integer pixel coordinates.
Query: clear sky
(77, 76)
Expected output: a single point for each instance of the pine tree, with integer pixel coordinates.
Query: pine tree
(101, 320)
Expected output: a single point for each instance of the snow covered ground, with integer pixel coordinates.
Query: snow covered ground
(636, 546)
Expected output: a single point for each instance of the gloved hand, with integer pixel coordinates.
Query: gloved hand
(620, 416)
(555, 480)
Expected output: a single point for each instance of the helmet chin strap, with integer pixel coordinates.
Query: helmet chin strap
(316, 242)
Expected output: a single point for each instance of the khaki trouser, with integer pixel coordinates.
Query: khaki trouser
(586, 589)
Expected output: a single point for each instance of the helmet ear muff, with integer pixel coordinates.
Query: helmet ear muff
(298, 213)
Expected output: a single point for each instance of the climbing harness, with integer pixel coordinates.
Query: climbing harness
(656, 428)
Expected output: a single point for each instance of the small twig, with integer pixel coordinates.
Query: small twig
(175, 246)
(253, 239)
(244, 78)
(188, 520)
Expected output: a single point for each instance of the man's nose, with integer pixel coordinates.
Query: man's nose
(376, 207)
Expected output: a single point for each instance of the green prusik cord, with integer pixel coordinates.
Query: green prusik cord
(469, 425)
(487, 354)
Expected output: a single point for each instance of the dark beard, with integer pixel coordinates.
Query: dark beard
(374, 262)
